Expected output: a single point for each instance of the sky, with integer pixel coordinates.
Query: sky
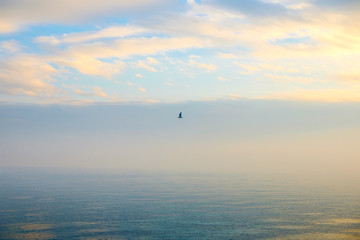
(264, 85)
(172, 51)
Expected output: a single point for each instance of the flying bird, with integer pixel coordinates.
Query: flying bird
(180, 115)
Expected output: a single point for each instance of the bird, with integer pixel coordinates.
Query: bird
(180, 115)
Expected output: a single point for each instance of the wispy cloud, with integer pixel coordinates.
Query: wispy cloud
(110, 32)
(87, 91)
(352, 77)
(209, 67)
(9, 46)
(320, 95)
(249, 69)
(151, 60)
(27, 75)
(19, 13)
(98, 91)
(142, 64)
(146, 64)
(92, 66)
(287, 79)
(227, 55)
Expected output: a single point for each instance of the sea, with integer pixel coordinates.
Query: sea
(41, 204)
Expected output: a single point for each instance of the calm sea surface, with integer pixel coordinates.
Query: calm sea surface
(35, 205)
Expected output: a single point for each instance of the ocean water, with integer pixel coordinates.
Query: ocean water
(39, 205)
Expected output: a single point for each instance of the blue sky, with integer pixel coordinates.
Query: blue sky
(177, 51)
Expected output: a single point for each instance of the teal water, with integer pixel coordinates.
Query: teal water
(38, 205)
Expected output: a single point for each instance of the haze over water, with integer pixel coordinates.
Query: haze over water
(174, 206)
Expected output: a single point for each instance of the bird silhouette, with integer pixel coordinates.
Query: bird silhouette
(180, 115)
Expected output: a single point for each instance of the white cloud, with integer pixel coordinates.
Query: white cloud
(278, 68)
(86, 58)
(98, 91)
(7, 27)
(17, 13)
(227, 55)
(235, 96)
(110, 32)
(314, 33)
(27, 75)
(146, 64)
(123, 48)
(318, 95)
(139, 75)
(151, 60)
(292, 4)
(81, 92)
(288, 79)
(92, 91)
(170, 84)
(10, 46)
(142, 89)
(250, 69)
(194, 56)
(209, 67)
(142, 64)
(92, 66)
(351, 76)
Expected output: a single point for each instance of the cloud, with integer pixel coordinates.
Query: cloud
(227, 55)
(110, 32)
(10, 46)
(6, 27)
(27, 75)
(151, 60)
(141, 89)
(124, 48)
(146, 64)
(292, 4)
(90, 58)
(92, 66)
(18, 13)
(193, 56)
(278, 68)
(303, 33)
(98, 91)
(318, 95)
(235, 96)
(338, 5)
(351, 77)
(306, 33)
(288, 79)
(142, 64)
(139, 75)
(209, 67)
(252, 7)
(249, 68)
(93, 91)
